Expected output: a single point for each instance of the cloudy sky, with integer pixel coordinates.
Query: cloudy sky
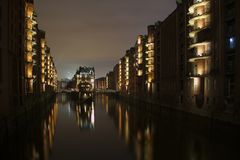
(96, 32)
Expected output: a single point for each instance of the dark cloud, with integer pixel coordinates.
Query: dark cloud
(96, 32)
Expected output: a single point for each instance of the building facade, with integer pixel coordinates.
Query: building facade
(212, 71)
(189, 61)
(101, 83)
(167, 61)
(110, 81)
(140, 63)
(19, 62)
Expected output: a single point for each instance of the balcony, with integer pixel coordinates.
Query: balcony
(194, 44)
(194, 30)
(197, 3)
(203, 16)
(194, 57)
(196, 75)
(204, 35)
(195, 15)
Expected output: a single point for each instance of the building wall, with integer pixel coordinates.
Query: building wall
(18, 54)
(230, 52)
(151, 61)
(212, 84)
(11, 53)
(140, 58)
(190, 60)
(29, 46)
(110, 81)
(116, 77)
(100, 83)
(182, 47)
(168, 81)
(238, 57)
(122, 75)
(132, 70)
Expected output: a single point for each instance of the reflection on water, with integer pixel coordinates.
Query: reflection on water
(111, 129)
(49, 131)
(85, 114)
(170, 135)
(35, 138)
(136, 132)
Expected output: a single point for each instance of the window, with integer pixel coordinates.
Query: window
(232, 42)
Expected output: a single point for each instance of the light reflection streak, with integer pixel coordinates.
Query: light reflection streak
(136, 131)
(85, 115)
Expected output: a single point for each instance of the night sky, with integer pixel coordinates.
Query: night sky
(96, 32)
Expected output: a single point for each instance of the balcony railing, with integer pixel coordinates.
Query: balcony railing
(196, 75)
(193, 19)
(193, 57)
(195, 15)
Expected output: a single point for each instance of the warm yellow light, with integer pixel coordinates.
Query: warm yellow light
(196, 85)
(42, 43)
(29, 57)
(28, 70)
(198, 4)
(29, 35)
(29, 46)
(43, 79)
(140, 61)
(139, 40)
(140, 72)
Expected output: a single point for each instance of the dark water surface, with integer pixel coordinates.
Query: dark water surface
(109, 129)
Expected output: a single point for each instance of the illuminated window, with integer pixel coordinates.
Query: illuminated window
(196, 84)
(140, 73)
(232, 42)
(140, 61)
(139, 40)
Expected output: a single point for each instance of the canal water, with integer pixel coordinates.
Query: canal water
(111, 129)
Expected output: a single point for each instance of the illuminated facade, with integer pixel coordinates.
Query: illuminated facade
(207, 45)
(150, 60)
(122, 76)
(83, 83)
(188, 60)
(50, 72)
(30, 33)
(43, 49)
(140, 63)
(19, 54)
(132, 72)
(126, 72)
(199, 48)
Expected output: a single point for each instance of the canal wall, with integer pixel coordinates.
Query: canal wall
(25, 115)
(209, 113)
